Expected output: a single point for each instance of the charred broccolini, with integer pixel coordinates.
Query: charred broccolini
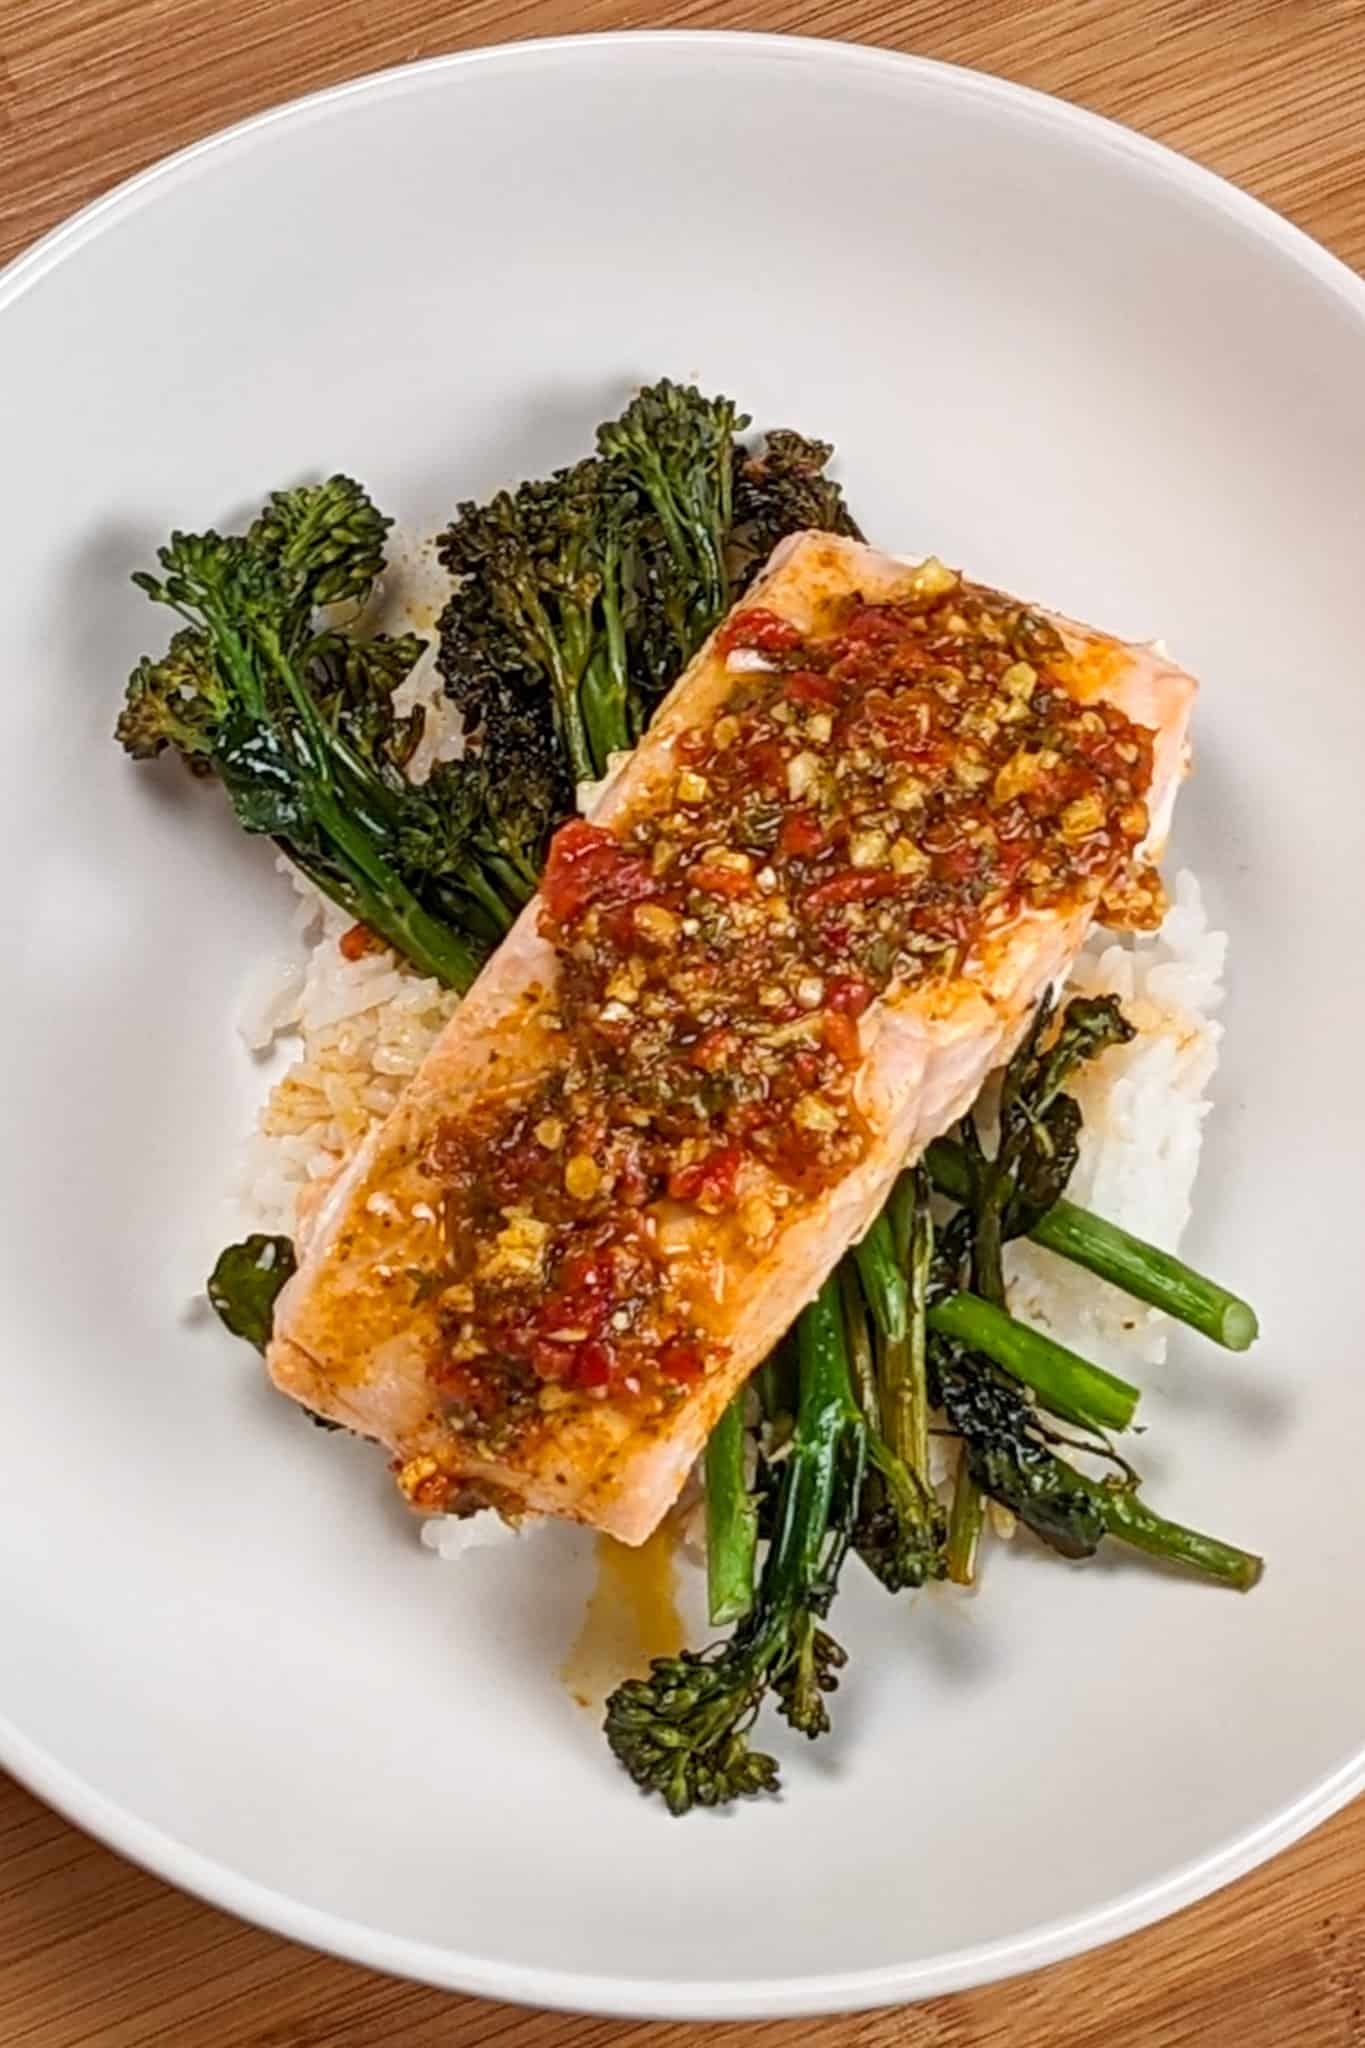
(543, 566)
(1039, 1131)
(1012, 1458)
(295, 716)
(1009, 1453)
(780, 488)
(901, 1528)
(682, 1732)
(582, 598)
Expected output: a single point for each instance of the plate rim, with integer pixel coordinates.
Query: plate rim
(159, 1851)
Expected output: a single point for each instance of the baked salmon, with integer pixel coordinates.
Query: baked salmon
(870, 826)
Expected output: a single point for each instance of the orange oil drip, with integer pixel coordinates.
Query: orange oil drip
(632, 1616)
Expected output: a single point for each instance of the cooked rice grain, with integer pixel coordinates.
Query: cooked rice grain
(363, 1028)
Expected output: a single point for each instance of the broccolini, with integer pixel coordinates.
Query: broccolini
(296, 718)
(683, 1731)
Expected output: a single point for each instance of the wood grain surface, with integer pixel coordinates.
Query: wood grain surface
(95, 1954)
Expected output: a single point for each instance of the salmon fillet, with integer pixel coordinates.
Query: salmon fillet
(541, 1279)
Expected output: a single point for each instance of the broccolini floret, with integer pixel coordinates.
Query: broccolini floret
(781, 488)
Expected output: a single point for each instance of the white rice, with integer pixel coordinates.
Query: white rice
(361, 1029)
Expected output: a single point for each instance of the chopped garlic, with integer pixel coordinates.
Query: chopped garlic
(907, 858)
(932, 579)
(1081, 818)
(803, 771)
(757, 1218)
(867, 849)
(582, 1177)
(813, 1113)
(655, 923)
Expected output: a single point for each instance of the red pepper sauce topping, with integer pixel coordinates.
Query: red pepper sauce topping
(871, 801)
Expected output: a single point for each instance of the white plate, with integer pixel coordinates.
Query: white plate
(1046, 349)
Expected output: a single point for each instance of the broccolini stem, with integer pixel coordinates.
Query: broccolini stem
(860, 1363)
(606, 685)
(897, 1397)
(903, 1209)
(913, 1223)
(1065, 1383)
(564, 676)
(965, 1518)
(383, 902)
(984, 1181)
(731, 1519)
(1129, 1262)
(1128, 1520)
(900, 1534)
(967, 1514)
(829, 1451)
(389, 906)
(604, 716)
(775, 1380)
(475, 882)
(900, 1411)
(571, 726)
(884, 1280)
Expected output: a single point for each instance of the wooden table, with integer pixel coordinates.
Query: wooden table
(1271, 93)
